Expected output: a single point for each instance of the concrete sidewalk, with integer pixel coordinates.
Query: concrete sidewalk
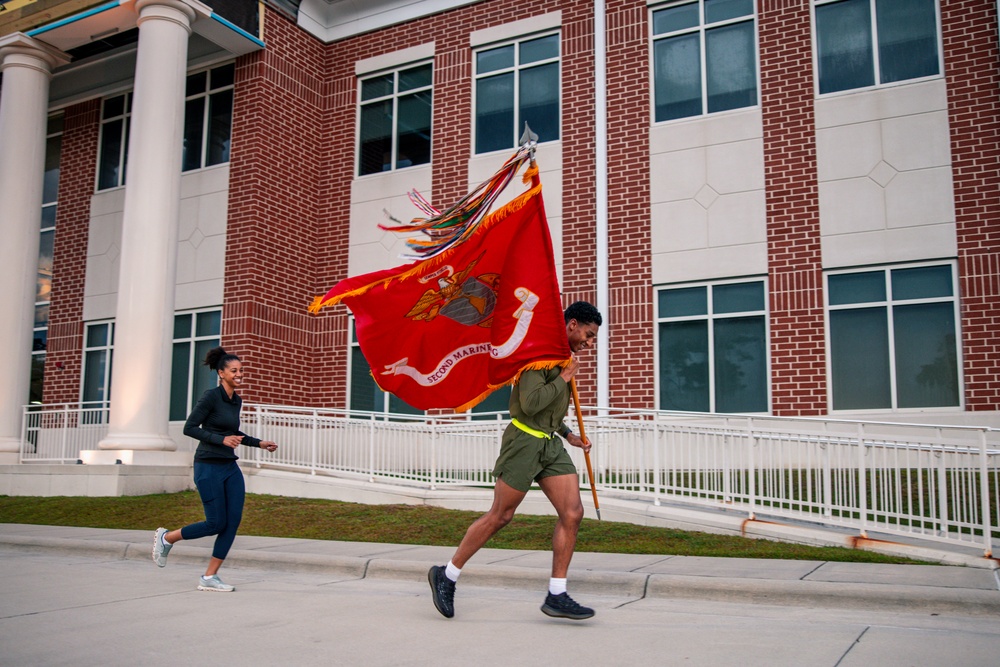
(932, 589)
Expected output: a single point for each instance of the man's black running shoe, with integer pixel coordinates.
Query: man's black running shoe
(443, 591)
(563, 606)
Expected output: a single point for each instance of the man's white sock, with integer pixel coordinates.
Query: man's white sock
(452, 572)
(557, 586)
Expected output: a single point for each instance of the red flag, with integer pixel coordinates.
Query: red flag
(447, 331)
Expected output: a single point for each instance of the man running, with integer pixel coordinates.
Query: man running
(531, 452)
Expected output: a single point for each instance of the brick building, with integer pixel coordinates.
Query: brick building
(783, 207)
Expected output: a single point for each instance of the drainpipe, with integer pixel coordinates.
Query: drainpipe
(601, 196)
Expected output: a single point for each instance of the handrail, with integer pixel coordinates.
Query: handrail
(930, 481)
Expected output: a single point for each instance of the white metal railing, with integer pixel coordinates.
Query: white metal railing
(932, 482)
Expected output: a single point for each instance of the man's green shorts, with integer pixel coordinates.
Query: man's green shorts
(524, 459)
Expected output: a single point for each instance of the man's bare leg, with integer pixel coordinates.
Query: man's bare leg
(505, 501)
(563, 491)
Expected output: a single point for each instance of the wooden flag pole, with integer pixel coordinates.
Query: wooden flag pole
(586, 454)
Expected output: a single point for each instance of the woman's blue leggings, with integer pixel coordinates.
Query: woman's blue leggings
(222, 491)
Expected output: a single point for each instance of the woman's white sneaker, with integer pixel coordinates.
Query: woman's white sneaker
(160, 547)
(213, 583)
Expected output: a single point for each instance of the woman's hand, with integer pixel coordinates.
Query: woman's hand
(232, 441)
(268, 445)
(577, 441)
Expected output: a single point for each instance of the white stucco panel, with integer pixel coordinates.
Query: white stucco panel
(848, 151)
(678, 226)
(738, 218)
(677, 175)
(917, 141)
(851, 205)
(710, 263)
(921, 197)
(891, 245)
(706, 131)
(736, 166)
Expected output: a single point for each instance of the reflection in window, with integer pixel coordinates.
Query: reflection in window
(860, 43)
(195, 333)
(98, 353)
(517, 83)
(395, 120)
(718, 33)
(894, 338)
(208, 117)
(713, 348)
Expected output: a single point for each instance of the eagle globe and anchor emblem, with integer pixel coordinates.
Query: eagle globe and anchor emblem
(467, 299)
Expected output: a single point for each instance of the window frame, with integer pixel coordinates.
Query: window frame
(126, 118)
(516, 69)
(395, 97)
(700, 30)
(878, 85)
(207, 94)
(711, 317)
(888, 303)
(109, 348)
(193, 360)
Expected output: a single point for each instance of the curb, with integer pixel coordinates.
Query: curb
(628, 585)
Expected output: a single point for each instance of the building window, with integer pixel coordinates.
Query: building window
(208, 124)
(713, 348)
(863, 42)
(195, 333)
(208, 117)
(115, 114)
(704, 58)
(98, 353)
(365, 396)
(43, 285)
(517, 83)
(395, 119)
(893, 338)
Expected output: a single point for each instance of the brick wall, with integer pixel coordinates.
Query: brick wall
(273, 229)
(630, 322)
(452, 144)
(969, 32)
(78, 166)
(798, 357)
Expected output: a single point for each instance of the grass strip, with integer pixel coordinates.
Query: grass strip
(317, 519)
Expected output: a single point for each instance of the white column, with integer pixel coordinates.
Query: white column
(24, 104)
(140, 381)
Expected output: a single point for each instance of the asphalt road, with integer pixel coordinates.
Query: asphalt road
(61, 608)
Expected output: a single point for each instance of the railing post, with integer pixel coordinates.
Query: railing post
(313, 442)
(371, 447)
(942, 499)
(24, 434)
(434, 442)
(984, 494)
(751, 471)
(827, 474)
(65, 432)
(656, 459)
(862, 481)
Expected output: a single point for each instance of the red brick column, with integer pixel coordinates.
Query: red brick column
(77, 167)
(798, 352)
(274, 232)
(632, 333)
(969, 31)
